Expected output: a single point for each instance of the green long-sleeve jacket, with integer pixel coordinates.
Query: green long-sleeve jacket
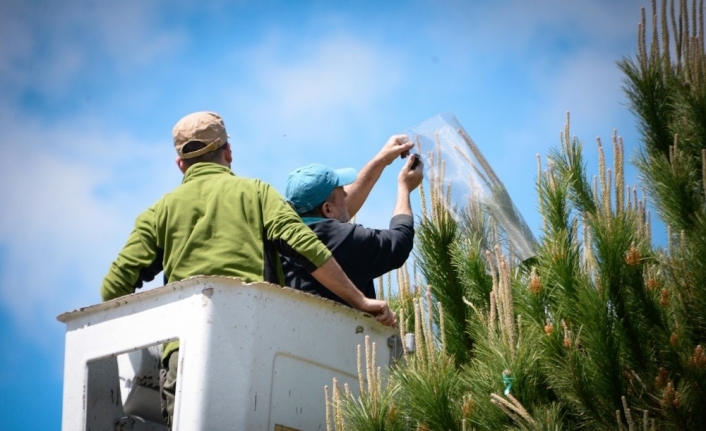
(214, 223)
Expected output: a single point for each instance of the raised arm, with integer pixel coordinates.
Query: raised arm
(367, 177)
(408, 180)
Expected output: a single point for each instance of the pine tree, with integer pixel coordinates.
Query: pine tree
(667, 92)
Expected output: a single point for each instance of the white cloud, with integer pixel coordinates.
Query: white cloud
(516, 25)
(15, 30)
(586, 83)
(343, 73)
(328, 82)
(46, 46)
(303, 100)
(58, 230)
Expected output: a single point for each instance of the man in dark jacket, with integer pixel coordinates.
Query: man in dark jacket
(326, 198)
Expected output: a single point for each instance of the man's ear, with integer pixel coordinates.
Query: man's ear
(180, 163)
(228, 154)
(326, 210)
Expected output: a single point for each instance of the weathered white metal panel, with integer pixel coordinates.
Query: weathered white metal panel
(138, 373)
(252, 356)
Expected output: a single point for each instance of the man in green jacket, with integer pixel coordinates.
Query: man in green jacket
(216, 223)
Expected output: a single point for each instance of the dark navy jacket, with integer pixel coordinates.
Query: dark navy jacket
(363, 254)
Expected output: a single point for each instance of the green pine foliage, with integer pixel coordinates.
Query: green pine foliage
(666, 86)
(600, 330)
(441, 240)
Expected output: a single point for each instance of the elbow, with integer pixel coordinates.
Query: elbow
(401, 257)
(111, 290)
(106, 295)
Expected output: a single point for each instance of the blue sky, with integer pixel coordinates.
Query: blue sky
(89, 92)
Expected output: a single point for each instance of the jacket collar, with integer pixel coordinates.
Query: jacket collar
(205, 169)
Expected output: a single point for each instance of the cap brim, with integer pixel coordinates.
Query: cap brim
(345, 176)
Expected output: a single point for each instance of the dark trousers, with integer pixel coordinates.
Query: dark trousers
(167, 386)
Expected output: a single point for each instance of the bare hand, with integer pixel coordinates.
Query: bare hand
(380, 310)
(397, 145)
(410, 178)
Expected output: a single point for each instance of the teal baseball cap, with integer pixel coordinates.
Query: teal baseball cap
(309, 186)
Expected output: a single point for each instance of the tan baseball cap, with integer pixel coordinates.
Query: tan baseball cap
(206, 127)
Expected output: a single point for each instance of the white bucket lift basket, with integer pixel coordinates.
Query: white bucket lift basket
(252, 357)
